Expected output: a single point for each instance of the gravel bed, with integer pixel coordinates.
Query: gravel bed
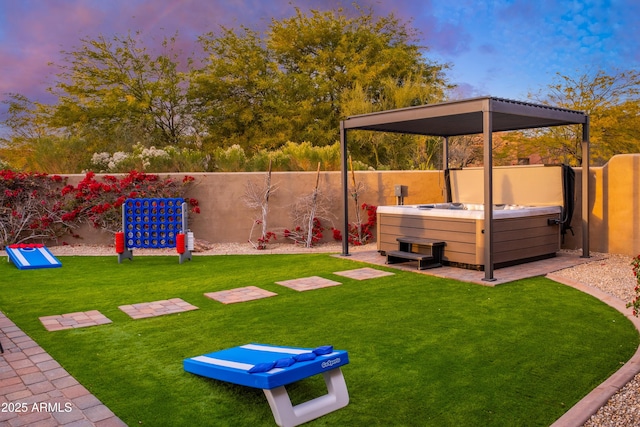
(614, 275)
(611, 273)
(206, 248)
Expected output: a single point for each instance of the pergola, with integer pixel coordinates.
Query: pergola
(484, 116)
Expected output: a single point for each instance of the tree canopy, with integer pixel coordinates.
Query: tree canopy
(252, 98)
(612, 102)
(297, 82)
(292, 84)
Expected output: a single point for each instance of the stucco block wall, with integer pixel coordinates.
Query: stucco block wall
(614, 202)
(616, 205)
(225, 217)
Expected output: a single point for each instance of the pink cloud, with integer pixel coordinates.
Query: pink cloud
(523, 36)
(37, 30)
(444, 36)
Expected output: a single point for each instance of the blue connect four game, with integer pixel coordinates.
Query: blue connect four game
(153, 223)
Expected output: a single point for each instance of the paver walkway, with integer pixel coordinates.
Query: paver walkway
(36, 391)
(248, 293)
(363, 273)
(156, 308)
(80, 319)
(308, 283)
(501, 275)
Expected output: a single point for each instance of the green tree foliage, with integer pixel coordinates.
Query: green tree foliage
(111, 95)
(612, 102)
(33, 145)
(308, 73)
(234, 93)
(116, 91)
(26, 131)
(20, 120)
(393, 151)
(259, 92)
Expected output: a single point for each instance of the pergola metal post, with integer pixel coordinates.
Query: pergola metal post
(471, 117)
(585, 188)
(445, 154)
(344, 174)
(487, 132)
(445, 166)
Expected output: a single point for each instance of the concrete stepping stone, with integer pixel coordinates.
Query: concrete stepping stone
(231, 296)
(157, 308)
(308, 283)
(363, 273)
(80, 319)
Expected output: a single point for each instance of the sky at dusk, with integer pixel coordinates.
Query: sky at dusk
(502, 48)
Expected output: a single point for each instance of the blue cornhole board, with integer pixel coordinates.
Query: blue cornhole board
(271, 368)
(29, 257)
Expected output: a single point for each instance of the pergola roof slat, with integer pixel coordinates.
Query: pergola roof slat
(465, 117)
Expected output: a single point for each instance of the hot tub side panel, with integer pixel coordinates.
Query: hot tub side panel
(529, 237)
(515, 239)
(459, 234)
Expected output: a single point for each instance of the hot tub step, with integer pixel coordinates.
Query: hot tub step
(406, 252)
(424, 261)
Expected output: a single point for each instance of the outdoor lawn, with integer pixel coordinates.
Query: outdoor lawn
(423, 350)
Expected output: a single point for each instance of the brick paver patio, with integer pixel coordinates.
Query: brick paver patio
(231, 296)
(36, 391)
(157, 308)
(363, 273)
(80, 319)
(501, 275)
(308, 283)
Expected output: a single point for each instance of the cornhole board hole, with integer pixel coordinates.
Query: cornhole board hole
(271, 368)
(32, 256)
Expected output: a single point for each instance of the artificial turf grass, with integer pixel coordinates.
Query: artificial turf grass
(423, 350)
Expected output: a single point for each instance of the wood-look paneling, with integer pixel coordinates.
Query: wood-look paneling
(514, 238)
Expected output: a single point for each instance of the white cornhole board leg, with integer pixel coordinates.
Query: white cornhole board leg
(287, 415)
(271, 368)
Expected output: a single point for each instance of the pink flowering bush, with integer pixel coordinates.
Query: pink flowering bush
(39, 207)
(31, 207)
(635, 303)
(99, 202)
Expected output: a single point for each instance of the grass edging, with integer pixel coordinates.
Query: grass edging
(581, 412)
(460, 339)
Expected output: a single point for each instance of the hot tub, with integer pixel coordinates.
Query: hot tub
(520, 233)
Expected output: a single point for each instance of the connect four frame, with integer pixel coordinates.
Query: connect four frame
(154, 223)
